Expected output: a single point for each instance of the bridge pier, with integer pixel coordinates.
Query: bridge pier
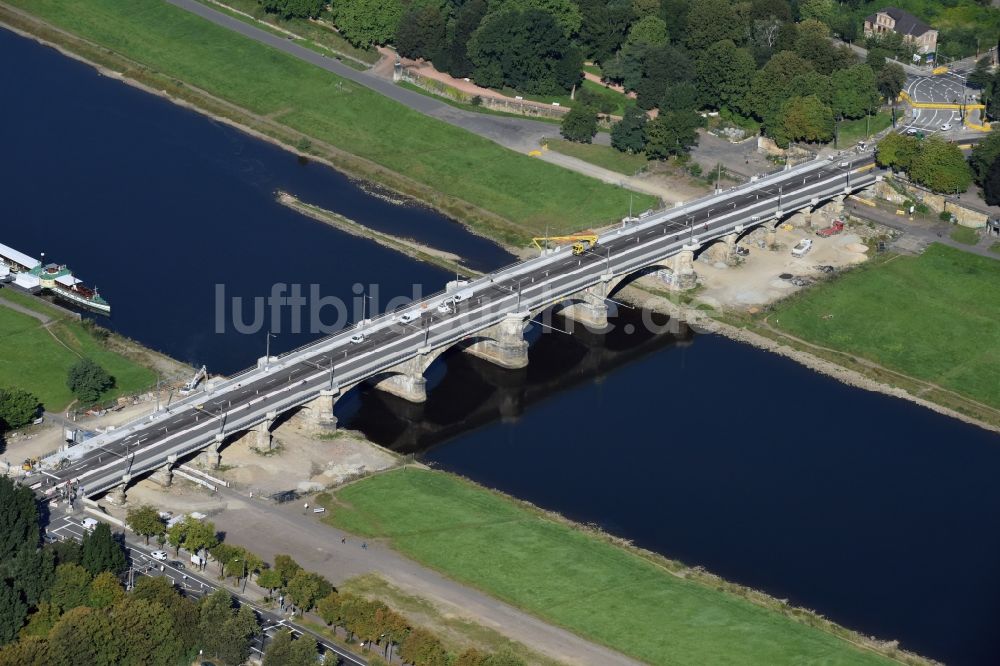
(210, 456)
(683, 268)
(506, 345)
(321, 409)
(408, 381)
(163, 476)
(116, 495)
(592, 312)
(263, 440)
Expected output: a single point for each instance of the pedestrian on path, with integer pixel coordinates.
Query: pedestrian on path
(364, 546)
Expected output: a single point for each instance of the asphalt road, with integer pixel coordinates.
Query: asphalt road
(524, 287)
(518, 134)
(946, 88)
(195, 585)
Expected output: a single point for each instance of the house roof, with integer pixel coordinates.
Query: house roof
(906, 23)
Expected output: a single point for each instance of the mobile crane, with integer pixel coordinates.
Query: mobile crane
(581, 242)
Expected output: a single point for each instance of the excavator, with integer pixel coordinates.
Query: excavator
(581, 242)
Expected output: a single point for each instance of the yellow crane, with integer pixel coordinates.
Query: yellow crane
(581, 242)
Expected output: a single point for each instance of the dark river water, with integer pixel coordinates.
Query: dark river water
(876, 513)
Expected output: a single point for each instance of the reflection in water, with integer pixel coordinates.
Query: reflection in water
(465, 392)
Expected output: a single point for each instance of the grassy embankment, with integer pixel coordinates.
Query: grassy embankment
(964, 235)
(852, 131)
(320, 32)
(36, 358)
(582, 581)
(931, 317)
(603, 156)
(507, 196)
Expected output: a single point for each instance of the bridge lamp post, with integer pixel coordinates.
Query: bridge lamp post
(267, 348)
(243, 559)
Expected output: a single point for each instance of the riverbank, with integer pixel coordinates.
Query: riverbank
(508, 196)
(864, 330)
(42, 342)
(629, 599)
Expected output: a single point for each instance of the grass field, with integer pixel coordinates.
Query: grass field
(964, 235)
(933, 317)
(528, 192)
(852, 131)
(574, 579)
(37, 359)
(602, 156)
(995, 248)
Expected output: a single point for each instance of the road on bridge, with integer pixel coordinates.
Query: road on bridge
(530, 286)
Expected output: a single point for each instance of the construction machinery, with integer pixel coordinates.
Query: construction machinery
(192, 383)
(581, 242)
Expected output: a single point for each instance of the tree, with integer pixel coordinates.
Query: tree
(270, 580)
(854, 92)
(18, 518)
(13, 610)
(146, 633)
(329, 608)
(176, 534)
(566, 13)
(286, 568)
(813, 43)
(40, 622)
(649, 30)
(980, 76)
(182, 611)
(367, 22)
(28, 651)
(628, 134)
(294, 8)
(772, 84)
(602, 27)
(724, 73)
(662, 68)
(421, 32)
(455, 58)
(422, 648)
(145, 521)
(897, 151)
(890, 81)
(984, 154)
(224, 554)
(805, 119)
(279, 652)
(101, 551)
(710, 21)
(198, 535)
(306, 588)
(991, 184)
(71, 587)
(525, 50)
(820, 10)
(105, 591)
(88, 381)
(580, 124)
(672, 133)
(83, 636)
(17, 408)
(681, 96)
(304, 651)
(32, 571)
(941, 166)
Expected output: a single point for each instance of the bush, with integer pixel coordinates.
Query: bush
(17, 408)
(476, 101)
(580, 124)
(944, 216)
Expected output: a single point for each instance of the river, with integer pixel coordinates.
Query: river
(873, 511)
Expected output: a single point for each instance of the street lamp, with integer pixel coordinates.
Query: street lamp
(267, 348)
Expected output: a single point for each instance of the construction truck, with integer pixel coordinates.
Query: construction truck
(192, 383)
(581, 242)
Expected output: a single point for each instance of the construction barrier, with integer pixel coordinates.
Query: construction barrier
(904, 97)
(939, 70)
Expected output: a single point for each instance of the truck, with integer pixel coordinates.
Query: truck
(832, 230)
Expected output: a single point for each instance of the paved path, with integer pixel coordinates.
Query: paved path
(269, 529)
(928, 232)
(522, 135)
(17, 307)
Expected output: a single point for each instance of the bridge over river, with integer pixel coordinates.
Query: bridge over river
(489, 321)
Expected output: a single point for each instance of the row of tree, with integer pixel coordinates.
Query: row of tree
(305, 591)
(931, 162)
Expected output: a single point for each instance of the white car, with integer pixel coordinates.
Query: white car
(445, 307)
(407, 317)
(89, 523)
(802, 248)
(945, 127)
(357, 338)
(160, 555)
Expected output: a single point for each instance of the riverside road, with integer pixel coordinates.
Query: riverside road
(300, 376)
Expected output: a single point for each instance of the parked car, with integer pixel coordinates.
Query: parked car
(160, 555)
(802, 248)
(945, 127)
(89, 523)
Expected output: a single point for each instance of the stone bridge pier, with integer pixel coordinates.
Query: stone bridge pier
(504, 342)
(262, 432)
(164, 475)
(591, 310)
(407, 379)
(684, 276)
(210, 456)
(320, 410)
